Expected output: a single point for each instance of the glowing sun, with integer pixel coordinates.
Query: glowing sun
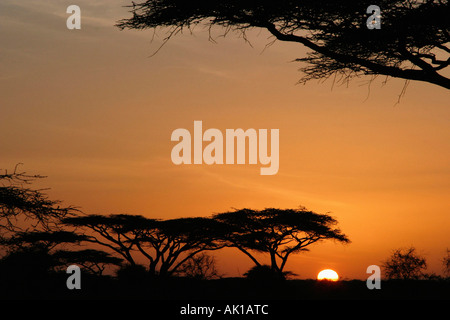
(328, 274)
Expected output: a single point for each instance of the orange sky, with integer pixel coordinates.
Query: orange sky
(92, 111)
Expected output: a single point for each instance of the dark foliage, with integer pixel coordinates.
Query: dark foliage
(412, 43)
(277, 232)
(264, 274)
(24, 209)
(405, 264)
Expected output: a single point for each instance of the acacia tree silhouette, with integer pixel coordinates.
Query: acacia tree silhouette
(188, 236)
(277, 232)
(91, 260)
(23, 209)
(44, 239)
(166, 244)
(412, 43)
(404, 264)
(114, 231)
(44, 244)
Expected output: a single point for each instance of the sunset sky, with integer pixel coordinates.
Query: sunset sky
(93, 110)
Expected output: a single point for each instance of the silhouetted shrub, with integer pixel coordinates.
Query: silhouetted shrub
(264, 273)
(132, 274)
(27, 261)
(446, 263)
(25, 271)
(405, 264)
(201, 267)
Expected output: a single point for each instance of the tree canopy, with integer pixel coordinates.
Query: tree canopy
(94, 261)
(24, 209)
(166, 244)
(405, 264)
(411, 44)
(169, 244)
(277, 232)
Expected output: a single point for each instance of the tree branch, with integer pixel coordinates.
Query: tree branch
(375, 67)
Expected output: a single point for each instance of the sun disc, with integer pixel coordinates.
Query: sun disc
(328, 274)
